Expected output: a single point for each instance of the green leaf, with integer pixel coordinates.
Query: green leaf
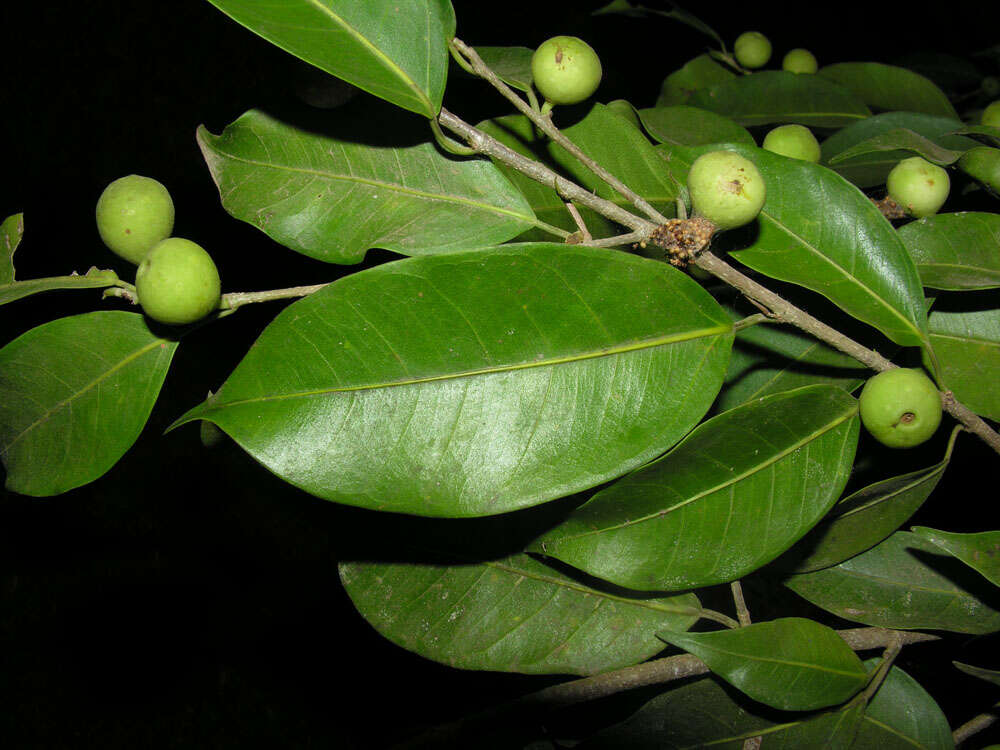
(792, 664)
(94, 279)
(737, 492)
(890, 88)
(775, 96)
(512, 64)
(74, 395)
(873, 168)
(681, 125)
(904, 583)
(991, 132)
(865, 518)
(10, 237)
(625, 8)
(900, 139)
(967, 346)
(394, 49)
(980, 551)
(819, 231)
(511, 615)
(699, 73)
(902, 716)
(990, 675)
(476, 383)
(955, 251)
(332, 198)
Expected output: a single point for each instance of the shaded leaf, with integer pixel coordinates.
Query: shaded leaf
(734, 494)
(394, 49)
(625, 8)
(10, 237)
(955, 251)
(74, 395)
(990, 675)
(980, 551)
(512, 64)
(698, 73)
(332, 198)
(476, 383)
(902, 716)
(776, 96)
(991, 132)
(890, 88)
(905, 583)
(512, 615)
(900, 139)
(967, 347)
(682, 125)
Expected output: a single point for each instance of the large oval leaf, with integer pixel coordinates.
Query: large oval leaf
(480, 382)
(967, 346)
(955, 251)
(394, 49)
(74, 395)
(905, 583)
(902, 716)
(980, 551)
(333, 198)
(737, 492)
(764, 660)
(888, 87)
(698, 73)
(511, 615)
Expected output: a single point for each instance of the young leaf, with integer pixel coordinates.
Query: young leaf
(906, 583)
(773, 96)
(955, 251)
(792, 664)
(480, 382)
(394, 49)
(979, 551)
(74, 395)
(333, 198)
(737, 492)
(967, 346)
(511, 615)
(681, 125)
(887, 87)
(10, 237)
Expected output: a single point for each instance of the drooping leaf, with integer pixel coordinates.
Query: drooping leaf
(698, 73)
(990, 675)
(513, 614)
(480, 382)
(74, 395)
(792, 664)
(906, 583)
(955, 251)
(871, 169)
(512, 64)
(890, 88)
(10, 237)
(865, 518)
(980, 551)
(394, 49)
(900, 139)
(967, 347)
(776, 96)
(737, 492)
(333, 198)
(682, 125)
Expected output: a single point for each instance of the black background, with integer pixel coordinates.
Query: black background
(188, 598)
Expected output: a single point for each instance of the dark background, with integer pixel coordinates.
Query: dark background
(188, 598)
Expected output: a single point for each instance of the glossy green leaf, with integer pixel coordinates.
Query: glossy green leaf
(698, 73)
(512, 64)
(624, 108)
(690, 126)
(11, 231)
(774, 96)
(394, 49)
(902, 716)
(819, 231)
(990, 675)
(890, 88)
(955, 251)
(333, 198)
(480, 382)
(511, 615)
(980, 551)
(992, 133)
(865, 518)
(737, 492)
(871, 169)
(74, 395)
(967, 346)
(94, 279)
(900, 139)
(792, 664)
(905, 583)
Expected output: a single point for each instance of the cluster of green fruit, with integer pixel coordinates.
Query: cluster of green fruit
(176, 281)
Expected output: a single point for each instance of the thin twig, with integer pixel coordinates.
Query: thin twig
(741, 605)
(976, 724)
(235, 299)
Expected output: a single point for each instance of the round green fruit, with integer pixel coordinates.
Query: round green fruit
(793, 141)
(133, 214)
(752, 49)
(918, 186)
(565, 70)
(177, 282)
(983, 164)
(900, 407)
(799, 60)
(726, 188)
(991, 115)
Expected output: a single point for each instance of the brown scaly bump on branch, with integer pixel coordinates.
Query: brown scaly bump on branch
(889, 208)
(682, 239)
